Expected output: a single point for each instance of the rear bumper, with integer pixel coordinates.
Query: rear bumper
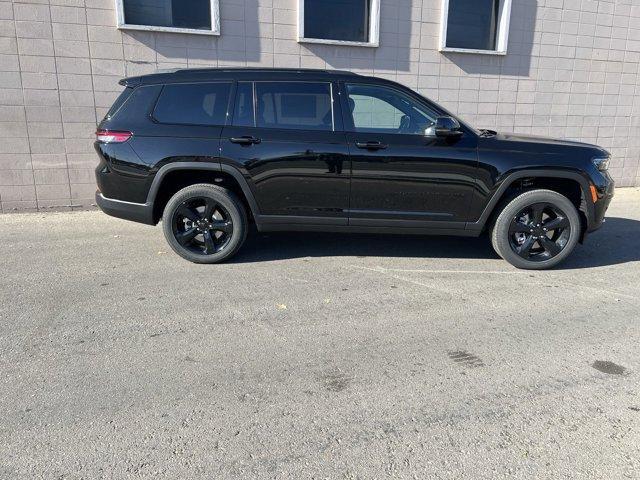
(136, 212)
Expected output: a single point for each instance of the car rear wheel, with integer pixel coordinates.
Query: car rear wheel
(205, 223)
(536, 230)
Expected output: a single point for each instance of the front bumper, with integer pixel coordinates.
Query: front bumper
(605, 192)
(136, 212)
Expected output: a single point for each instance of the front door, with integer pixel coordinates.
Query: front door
(287, 139)
(400, 175)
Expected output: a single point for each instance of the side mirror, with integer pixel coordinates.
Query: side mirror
(445, 127)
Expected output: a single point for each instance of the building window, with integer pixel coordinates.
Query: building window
(339, 22)
(475, 26)
(193, 104)
(184, 16)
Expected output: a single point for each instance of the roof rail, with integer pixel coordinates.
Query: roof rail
(139, 79)
(256, 69)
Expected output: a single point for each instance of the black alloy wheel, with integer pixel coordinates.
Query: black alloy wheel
(537, 229)
(202, 226)
(539, 232)
(205, 223)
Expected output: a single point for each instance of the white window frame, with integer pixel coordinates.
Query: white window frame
(374, 29)
(502, 37)
(215, 22)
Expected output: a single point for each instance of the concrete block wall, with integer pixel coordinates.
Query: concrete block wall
(572, 71)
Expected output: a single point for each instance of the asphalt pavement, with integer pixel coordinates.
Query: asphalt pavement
(315, 356)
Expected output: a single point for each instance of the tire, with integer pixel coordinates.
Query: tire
(523, 234)
(205, 223)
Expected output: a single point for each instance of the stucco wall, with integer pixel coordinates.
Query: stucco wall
(572, 71)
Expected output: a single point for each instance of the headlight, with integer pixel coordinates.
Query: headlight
(602, 164)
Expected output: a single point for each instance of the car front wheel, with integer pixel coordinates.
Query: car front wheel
(205, 223)
(536, 230)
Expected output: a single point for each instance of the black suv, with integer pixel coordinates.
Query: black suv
(210, 151)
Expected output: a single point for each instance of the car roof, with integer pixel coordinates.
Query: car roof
(248, 73)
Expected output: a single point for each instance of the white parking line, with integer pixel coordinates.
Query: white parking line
(402, 270)
(392, 271)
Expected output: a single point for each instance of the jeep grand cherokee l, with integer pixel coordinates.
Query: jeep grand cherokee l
(208, 151)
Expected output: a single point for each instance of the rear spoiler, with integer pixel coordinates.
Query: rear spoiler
(135, 81)
(130, 82)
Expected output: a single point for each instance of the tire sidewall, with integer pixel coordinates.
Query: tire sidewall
(500, 234)
(228, 200)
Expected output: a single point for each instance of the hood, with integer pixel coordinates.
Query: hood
(517, 141)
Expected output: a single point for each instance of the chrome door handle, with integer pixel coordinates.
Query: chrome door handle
(245, 140)
(371, 145)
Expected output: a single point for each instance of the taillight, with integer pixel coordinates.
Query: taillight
(110, 136)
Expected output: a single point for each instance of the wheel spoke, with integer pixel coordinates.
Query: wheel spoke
(209, 207)
(536, 211)
(525, 248)
(189, 213)
(556, 223)
(519, 227)
(551, 247)
(224, 226)
(210, 245)
(185, 237)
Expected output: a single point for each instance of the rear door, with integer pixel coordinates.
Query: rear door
(286, 137)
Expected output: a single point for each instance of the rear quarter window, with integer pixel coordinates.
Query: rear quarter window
(124, 95)
(193, 104)
(135, 109)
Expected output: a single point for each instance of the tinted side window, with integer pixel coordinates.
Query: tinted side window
(124, 95)
(381, 109)
(193, 104)
(136, 108)
(243, 114)
(294, 105)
